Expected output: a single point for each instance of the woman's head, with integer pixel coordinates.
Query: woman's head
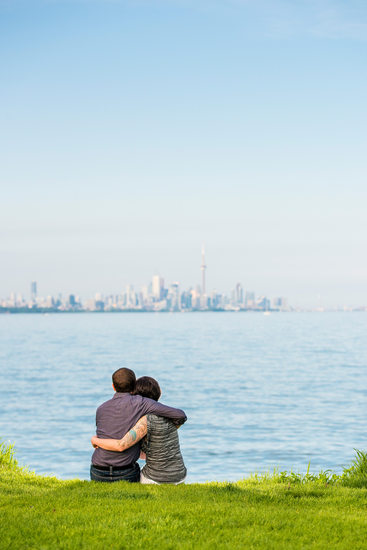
(147, 387)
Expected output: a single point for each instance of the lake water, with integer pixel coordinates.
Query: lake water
(259, 391)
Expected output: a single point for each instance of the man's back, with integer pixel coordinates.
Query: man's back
(117, 416)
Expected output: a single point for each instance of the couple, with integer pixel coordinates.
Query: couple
(132, 414)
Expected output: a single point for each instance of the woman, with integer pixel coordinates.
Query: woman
(160, 448)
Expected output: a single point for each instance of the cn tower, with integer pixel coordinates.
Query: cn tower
(203, 268)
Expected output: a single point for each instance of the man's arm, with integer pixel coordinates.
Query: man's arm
(131, 438)
(177, 416)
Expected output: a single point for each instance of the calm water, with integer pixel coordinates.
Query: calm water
(259, 391)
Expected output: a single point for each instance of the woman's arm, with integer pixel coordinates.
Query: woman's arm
(133, 436)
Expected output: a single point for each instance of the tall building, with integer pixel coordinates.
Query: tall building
(33, 290)
(203, 268)
(174, 295)
(130, 297)
(239, 294)
(157, 287)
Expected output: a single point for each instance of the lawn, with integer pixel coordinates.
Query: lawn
(278, 511)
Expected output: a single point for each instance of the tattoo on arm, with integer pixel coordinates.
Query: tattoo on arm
(131, 438)
(134, 435)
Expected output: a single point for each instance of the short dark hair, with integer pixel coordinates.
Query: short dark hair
(147, 387)
(124, 380)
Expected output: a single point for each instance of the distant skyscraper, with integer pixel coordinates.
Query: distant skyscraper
(175, 296)
(130, 294)
(203, 268)
(239, 294)
(33, 290)
(157, 287)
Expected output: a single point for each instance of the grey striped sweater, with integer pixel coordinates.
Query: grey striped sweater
(164, 462)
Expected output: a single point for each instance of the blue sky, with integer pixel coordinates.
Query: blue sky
(131, 132)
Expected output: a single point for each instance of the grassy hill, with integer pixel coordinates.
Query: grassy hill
(278, 511)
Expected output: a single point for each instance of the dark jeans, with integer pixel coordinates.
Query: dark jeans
(126, 474)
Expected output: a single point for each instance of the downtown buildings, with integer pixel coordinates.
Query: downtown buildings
(155, 296)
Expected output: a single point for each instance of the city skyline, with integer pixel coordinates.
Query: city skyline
(152, 297)
(158, 296)
(157, 281)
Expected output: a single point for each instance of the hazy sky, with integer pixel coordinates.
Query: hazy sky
(132, 132)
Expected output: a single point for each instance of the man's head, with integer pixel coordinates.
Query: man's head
(124, 380)
(147, 387)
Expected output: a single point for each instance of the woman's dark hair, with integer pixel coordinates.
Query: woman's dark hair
(147, 387)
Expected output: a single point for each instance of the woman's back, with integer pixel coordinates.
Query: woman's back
(164, 463)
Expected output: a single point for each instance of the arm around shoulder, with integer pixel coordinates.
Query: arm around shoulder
(177, 416)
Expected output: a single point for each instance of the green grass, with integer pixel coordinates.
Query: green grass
(282, 510)
(7, 456)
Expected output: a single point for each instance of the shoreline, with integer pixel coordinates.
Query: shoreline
(49, 311)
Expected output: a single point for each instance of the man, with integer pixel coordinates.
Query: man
(115, 418)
